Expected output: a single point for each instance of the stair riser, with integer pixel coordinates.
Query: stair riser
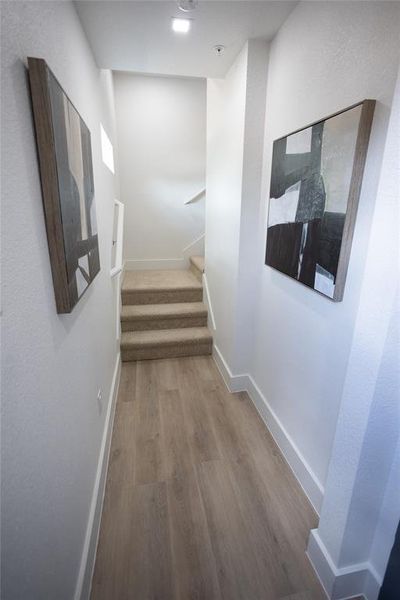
(196, 272)
(174, 351)
(169, 297)
(178, 323)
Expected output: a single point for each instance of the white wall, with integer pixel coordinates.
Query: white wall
(52, 365)
(162, 135)
(226, 102)
(325, 57)
(299, 342)
(311, 356)
(235, 109)
(361, 510)
(256, 85)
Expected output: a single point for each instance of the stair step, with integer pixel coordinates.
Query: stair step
(160, 287)
(197, 267)
(163, 316)
(198, 262)
(166, 343)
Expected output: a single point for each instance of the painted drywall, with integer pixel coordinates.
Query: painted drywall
(256, 85)
(388, 519)
(235, 118)
(312, 357)
(226, 102)
(325, 57)
(384, 420)
(52, 365)
(361, 511)
(299, 343)
(161, 123)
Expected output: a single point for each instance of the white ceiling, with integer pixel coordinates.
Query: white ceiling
(137, 36)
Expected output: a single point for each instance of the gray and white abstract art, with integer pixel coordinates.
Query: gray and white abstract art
(75, 179)
(313, 183)
(65, 159)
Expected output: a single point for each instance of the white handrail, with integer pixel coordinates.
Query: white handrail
(188, 249)
(195, 197)
(117, 268)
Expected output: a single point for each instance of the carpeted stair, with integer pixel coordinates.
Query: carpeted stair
(163, 315)
(197, 267)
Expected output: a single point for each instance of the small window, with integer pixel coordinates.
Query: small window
(107, 150)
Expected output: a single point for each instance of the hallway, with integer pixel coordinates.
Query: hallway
(199, 502)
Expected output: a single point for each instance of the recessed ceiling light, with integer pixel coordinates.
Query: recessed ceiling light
(180, 25)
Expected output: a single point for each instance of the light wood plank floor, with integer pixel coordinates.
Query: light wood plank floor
(199, 504)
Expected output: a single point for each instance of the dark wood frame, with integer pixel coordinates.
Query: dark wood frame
(41, 104)
(360, 155)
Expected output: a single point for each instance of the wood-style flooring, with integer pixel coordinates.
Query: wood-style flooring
(199, 503)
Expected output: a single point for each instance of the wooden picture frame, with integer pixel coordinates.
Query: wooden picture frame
(316, 180)
(66, 172)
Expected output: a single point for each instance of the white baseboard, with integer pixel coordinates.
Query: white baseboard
(345, 582)
(207, 301)
(155, 264)
(311, 485)
(339, 583)
(82, 590)
(301, 469)
(234, 383)
(373, 584)
(195, 248)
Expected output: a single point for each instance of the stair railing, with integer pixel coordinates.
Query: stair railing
(116, 267)
(196, 197)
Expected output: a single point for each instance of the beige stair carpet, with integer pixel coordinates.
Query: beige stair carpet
(159, 287)
(197, 267)
(139, 345)
(163, 315)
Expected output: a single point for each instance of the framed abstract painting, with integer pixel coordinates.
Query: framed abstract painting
(66, 171)
(316, 179)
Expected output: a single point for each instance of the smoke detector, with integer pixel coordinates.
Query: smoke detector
(187, 5)
(219, 49)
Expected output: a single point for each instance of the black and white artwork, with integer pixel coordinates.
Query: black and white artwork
(315, 182)
(75, 180)
(68, 190)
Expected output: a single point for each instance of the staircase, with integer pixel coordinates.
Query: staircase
(197, 267)
(163, 315)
